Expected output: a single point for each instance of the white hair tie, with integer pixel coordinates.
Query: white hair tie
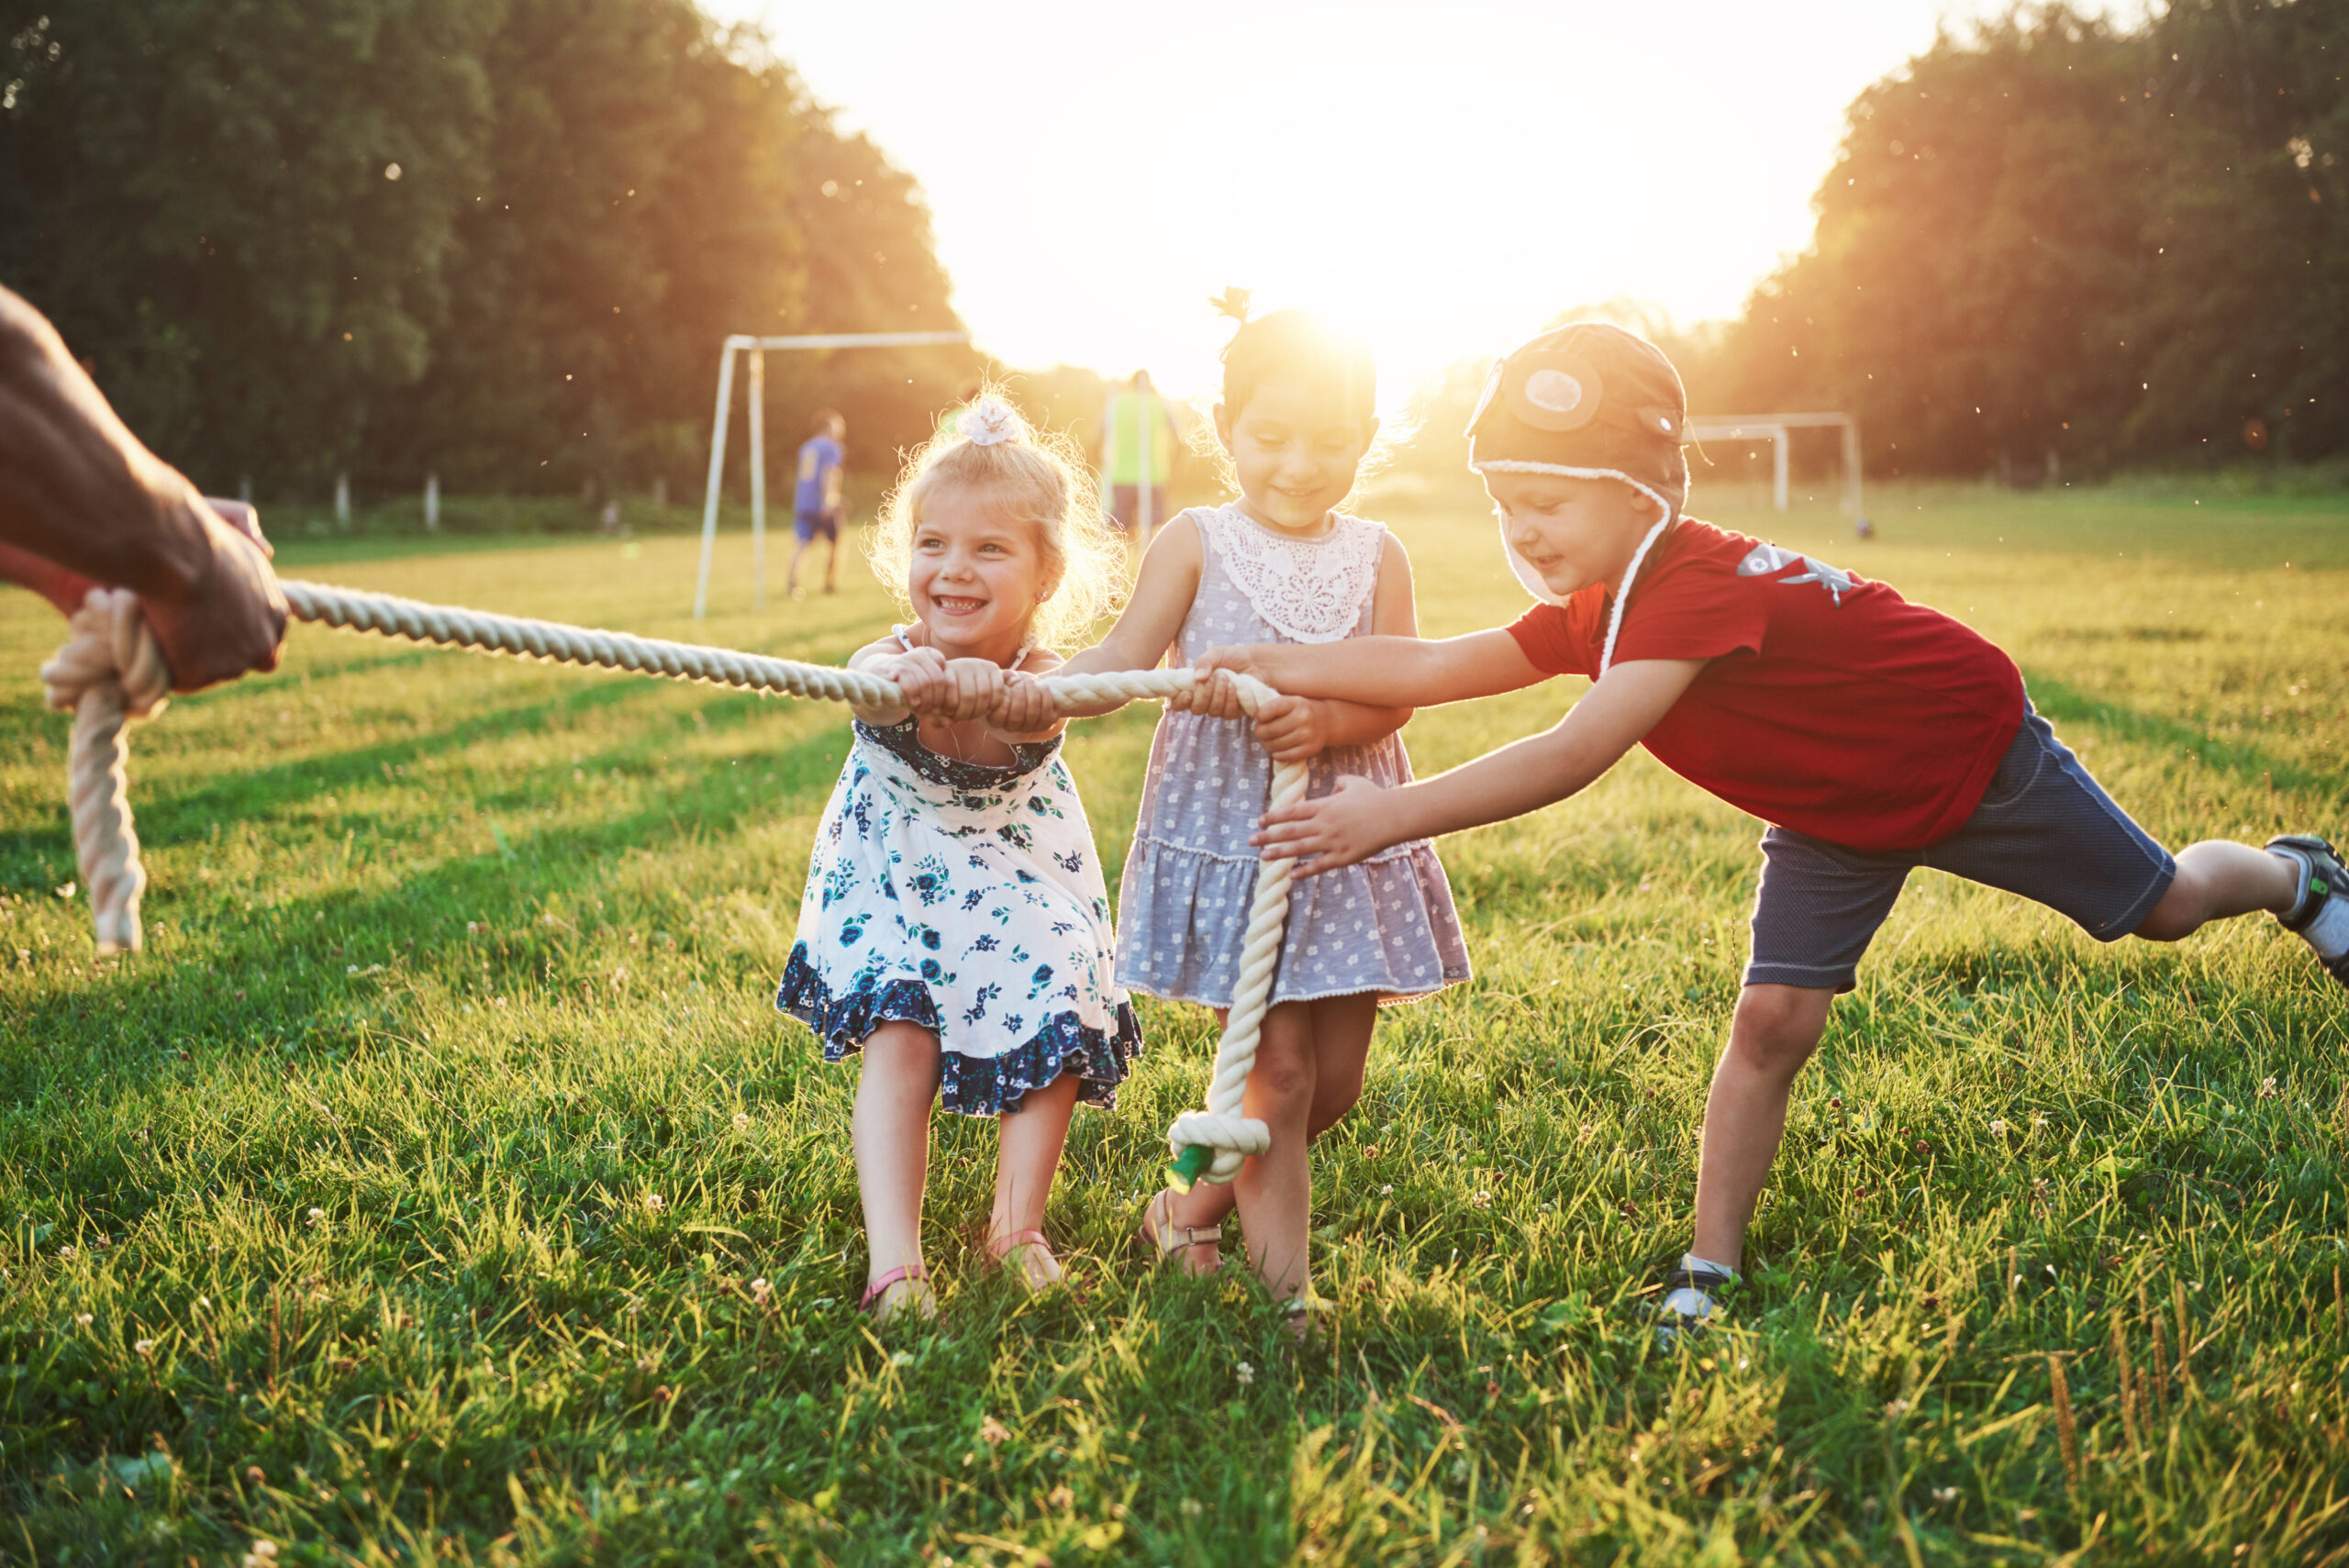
(990, 421)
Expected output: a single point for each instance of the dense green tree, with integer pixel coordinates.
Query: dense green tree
(500, 240)
(242, 211)
(2058, 241)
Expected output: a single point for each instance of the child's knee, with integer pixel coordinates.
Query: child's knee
(1332, 1103)
(1778, 1027)
(1283, 1076)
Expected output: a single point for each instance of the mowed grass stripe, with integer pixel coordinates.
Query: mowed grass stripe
(475, 958)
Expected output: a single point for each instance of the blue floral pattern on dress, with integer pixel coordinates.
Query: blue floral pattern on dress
(936, 889)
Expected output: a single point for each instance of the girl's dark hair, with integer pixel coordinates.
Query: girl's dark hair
(1295, 345)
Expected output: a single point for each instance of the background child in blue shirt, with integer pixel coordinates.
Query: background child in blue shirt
(816, 500)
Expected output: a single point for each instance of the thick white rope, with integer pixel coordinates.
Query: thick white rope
(112, 673)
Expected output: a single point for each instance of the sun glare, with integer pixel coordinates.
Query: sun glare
(1449, 187)
(1451, 175)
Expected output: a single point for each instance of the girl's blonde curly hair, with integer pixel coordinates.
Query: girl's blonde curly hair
(1035, 476)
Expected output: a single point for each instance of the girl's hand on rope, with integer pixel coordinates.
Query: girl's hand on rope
(1212, 696)
(920, 674)
(1336, 829)
(963, 689)
(1294, 729)
(1023, 708)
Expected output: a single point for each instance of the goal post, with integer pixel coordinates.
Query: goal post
(1778, 430)
(758, 348)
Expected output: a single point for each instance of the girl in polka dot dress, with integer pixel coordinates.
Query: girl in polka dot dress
(1277, 564)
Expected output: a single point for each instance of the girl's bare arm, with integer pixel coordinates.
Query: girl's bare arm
(1153, 614)
(884, 656)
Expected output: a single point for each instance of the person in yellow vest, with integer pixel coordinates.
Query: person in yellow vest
(1138, 441)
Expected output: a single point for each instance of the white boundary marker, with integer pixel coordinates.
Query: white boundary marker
(758, 348)
(1775, 429)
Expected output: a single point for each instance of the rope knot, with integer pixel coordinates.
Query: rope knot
(110, 673)
(109, 645)
(1232, 1136)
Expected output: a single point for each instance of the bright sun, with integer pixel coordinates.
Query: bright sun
(1444, 188)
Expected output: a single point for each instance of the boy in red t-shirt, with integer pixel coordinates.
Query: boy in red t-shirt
(1873, 735)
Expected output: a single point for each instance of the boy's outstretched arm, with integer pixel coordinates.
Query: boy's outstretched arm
(1383, 671)
(1362, 818)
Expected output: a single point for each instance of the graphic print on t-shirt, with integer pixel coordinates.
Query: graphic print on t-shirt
(1766, 558)
(1828, 703)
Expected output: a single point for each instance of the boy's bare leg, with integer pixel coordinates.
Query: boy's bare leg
(2217, 879)
(1027, 1155)
(1336, 1023)
(832, 565)
(791, 572)
(890, 1132)
(1774, 1032)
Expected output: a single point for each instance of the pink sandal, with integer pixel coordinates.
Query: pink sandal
(873, 1292)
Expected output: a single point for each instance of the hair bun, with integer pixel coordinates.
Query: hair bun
(989, 422)
(1234, 302)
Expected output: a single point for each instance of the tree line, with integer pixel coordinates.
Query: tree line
(2057, 244)
(501, 240)
(498, 239)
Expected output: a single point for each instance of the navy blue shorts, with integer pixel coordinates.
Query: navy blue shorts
(811, 525)
(2045, 829)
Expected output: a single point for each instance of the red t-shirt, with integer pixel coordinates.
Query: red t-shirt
(1831, 705)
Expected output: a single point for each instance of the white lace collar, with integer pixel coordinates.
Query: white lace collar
(1309, 590)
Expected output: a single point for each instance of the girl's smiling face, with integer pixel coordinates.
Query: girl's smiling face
(1295, 449)
(1572, 532)
(977, 576)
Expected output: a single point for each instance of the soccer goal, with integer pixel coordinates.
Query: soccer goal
(758, 348)
(1778, 430)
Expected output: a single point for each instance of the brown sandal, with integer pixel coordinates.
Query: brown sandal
(1163, 1238)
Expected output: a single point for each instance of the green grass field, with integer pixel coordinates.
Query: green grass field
(403, 1202)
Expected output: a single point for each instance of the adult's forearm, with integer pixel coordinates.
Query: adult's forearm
(76, 487)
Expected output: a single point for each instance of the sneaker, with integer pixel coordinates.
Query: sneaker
(2321, 918)
(1688, 1303)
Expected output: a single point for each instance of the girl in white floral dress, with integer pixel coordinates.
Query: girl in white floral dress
(955, 929)
(1277, 564)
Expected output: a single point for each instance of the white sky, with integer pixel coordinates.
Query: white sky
(1445, 176)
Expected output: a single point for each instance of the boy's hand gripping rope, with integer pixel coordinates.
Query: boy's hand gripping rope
(112, 673)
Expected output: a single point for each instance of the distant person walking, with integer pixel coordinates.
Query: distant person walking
(1138, 441)
(816, 502)
(84, 505)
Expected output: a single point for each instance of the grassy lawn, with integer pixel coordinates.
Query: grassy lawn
(403, 1202)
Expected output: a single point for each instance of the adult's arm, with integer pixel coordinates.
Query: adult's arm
(82, 503)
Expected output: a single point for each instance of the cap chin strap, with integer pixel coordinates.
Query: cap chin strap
(1531, 579)
(1624, 589)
